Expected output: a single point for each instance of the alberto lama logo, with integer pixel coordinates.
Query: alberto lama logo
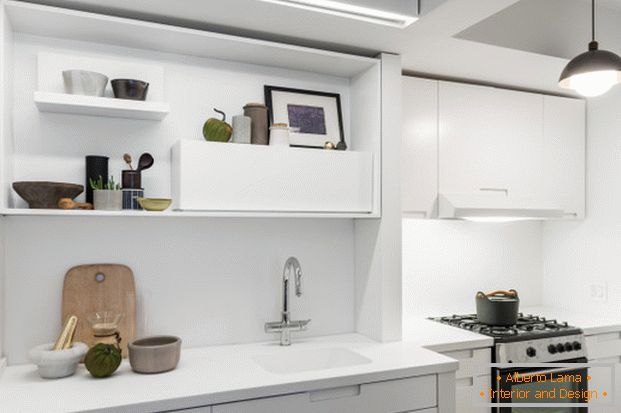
(560, 388)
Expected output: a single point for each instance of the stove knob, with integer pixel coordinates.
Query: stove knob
(560, 348)
(552, 349)
(531, 352)
(568, 347)
(577, 346)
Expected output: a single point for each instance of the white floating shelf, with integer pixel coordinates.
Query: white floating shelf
(100, 106)
(25, 212)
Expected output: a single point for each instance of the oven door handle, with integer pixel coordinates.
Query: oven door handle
(559, 370)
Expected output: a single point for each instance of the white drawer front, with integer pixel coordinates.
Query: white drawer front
(472, 362)
(603, 345)
(393, 396)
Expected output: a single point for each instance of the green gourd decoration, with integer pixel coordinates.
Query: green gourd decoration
(102, 360)
(217, 130)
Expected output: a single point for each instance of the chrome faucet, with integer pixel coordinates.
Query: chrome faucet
(286, 325)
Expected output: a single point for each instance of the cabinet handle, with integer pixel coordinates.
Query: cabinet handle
(570, 214)
(337, 393)
(505, 190)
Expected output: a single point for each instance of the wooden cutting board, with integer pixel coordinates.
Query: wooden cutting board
(100, 287)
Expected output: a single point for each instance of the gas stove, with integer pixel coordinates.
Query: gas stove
(531, 339)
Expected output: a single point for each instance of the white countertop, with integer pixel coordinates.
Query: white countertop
(590, 322)
(213, 375)
(441, 337)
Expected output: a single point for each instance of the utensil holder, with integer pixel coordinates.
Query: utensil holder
(131, 179)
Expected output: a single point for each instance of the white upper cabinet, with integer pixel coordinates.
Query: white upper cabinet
(564, 154)
(468, 140)
(490, 140)
(419, 159)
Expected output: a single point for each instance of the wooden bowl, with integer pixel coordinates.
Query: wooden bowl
(156, 354)
(41, 194)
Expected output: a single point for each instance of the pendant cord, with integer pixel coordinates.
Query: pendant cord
(593, 20)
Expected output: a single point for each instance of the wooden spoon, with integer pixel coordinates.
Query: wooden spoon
(145, 162)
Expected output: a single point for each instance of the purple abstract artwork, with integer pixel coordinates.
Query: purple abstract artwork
(308, 119)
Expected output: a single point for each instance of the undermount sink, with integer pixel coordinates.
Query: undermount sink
(297, 361)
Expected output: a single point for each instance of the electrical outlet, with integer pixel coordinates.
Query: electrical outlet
(598, 291)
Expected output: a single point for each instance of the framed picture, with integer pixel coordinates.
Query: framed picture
(314, 118)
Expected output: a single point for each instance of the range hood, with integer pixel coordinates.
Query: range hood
(494, 207)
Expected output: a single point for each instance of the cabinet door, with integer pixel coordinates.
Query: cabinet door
(564, 154)
(466, 394)
(490, 139)
(419, 159)
(602, 379)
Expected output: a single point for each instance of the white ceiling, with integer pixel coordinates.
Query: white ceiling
(558, 28)
(427, 46)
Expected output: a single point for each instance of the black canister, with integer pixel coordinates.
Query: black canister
(96, 166)
(131, 179)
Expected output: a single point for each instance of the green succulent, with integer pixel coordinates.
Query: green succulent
(99, 185)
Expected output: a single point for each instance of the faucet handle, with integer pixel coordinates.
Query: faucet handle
(299, 325)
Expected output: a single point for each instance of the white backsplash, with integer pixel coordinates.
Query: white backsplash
(446, 262)
(580, 254)
(210, 281)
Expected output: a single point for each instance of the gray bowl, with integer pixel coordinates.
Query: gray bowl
(83, 82)
(156, 354)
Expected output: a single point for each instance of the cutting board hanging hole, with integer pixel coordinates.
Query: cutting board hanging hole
(100, 277)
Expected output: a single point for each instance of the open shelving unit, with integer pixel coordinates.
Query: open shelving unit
(102, 37)
(200, 71)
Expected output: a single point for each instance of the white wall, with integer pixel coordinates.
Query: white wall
(577, 255)
(446, 262)
(209, 281)
(2, 281)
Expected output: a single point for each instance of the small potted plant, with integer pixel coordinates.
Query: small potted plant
(106, 196)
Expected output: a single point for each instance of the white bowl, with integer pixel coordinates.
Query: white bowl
(83, 82)
(57, 364)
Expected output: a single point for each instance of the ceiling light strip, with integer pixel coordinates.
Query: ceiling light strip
(350, 11)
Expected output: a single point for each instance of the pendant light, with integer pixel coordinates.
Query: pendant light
(592, 73)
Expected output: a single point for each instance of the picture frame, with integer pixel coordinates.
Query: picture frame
(315, 117)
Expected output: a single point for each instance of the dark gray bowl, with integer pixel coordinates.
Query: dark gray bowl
(41, 194)
(130, 89)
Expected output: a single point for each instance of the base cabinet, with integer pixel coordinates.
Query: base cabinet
(605, 350)
(472, 377)
(394, 396)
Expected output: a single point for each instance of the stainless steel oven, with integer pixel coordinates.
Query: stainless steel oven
(568, 381)
(532, 347)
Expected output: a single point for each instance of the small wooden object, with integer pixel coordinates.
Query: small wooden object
(100, 287)
(66, 336)
(68, 203)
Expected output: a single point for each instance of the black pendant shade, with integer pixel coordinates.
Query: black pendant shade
(594, 72)
(594, 60)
